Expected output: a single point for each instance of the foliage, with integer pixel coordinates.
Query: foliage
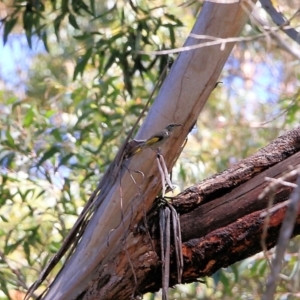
(81, 99)
(109, 35)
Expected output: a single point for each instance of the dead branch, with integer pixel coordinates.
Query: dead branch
(223, 183)
(226, 229)
(223, 225)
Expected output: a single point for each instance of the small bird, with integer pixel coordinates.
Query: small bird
(156, 140)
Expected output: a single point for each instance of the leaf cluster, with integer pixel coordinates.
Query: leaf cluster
(107, 34)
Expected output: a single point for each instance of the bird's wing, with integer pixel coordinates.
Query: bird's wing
(153, 140)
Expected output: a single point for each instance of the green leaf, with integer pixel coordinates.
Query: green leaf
(45, 40)
(56, 133)
(27, 252)
(49, 113)
(40, 194)
(65, 159)
(10, 248)
(174, 19)
(4, 219)
(263, 267)
(57, 23)
(3, 286)
(110, 61)
(77, 5)
(48, 154)
(9, 140)
(235, 271)
(82, 63)
(225, 281)
(12, 100)
(92, 5)
(172, 36)
(8, 27)
(73, 21)
(28, 24)
(6, 158)
(25, 194)
(33, 236)
(82, 37)
(28, 118)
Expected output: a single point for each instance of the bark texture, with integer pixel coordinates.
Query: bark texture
(223, 230)
(112, 260)
(225, 226)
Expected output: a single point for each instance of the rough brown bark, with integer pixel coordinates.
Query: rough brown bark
(234, 192)
(223, 225)
(224, 182)
(227, 226)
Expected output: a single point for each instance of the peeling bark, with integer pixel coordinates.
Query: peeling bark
(219, 231)
(223, 230)
(223, 183)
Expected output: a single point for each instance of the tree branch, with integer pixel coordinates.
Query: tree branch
(279, 20)
(223, 225)
(273, 33)
(221, 184)
(223, 230)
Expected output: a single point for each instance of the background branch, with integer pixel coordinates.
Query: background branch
(279, 20)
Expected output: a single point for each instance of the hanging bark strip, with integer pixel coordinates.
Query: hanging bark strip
(226, 229)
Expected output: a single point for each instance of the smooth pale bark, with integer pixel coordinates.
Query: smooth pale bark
(95, 266)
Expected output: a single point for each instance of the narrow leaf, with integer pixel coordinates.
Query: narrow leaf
(8, 27)
(73, 21)
(28, 118)
(82, 63)
(48, 154)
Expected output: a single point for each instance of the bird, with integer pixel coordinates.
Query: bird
(156, 140)
(159, 138)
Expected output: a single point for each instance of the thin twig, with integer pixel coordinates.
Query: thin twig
(284, 236)
(270, 192)
(17, 272)
(282, 182)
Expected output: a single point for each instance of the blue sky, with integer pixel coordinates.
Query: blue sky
(16, 58)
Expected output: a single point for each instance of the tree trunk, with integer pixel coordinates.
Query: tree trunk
(113, 261)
